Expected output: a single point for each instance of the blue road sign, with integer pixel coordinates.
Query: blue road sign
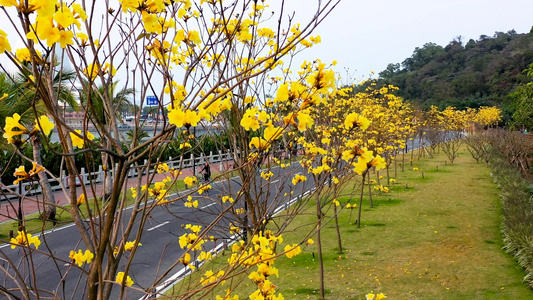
(151, 100)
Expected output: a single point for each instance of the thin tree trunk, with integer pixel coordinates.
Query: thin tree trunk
(395, 169)
(319, 245)
(108, 178)
(339, 239)
(412, 151)
(49, 209)
(361, 200)
(388, 169)
(403, 162)
(96, 272)
(370, 191)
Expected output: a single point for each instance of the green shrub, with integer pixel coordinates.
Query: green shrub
(517, 205)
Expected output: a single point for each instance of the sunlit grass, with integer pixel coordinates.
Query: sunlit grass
(431, 237)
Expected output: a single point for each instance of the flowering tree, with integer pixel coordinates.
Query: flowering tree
(205, 61)
(478, 140)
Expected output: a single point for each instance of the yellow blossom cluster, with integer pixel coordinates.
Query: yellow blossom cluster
(190, 202)
(267, 175)
(298, 178)
(159, 191)
(123, 280)
(78, 138)
(191, 240)
(80, 258)
(261, 253)
(53, 22)
(127, 247)
(14, 128)
(25, 239)
(211, 278)
(381, 188)
(21, 173)
(372, 296)
(488, 115)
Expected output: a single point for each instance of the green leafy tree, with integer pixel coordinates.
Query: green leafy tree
(523, 100)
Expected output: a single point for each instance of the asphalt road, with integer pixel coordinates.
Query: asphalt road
(160, 248)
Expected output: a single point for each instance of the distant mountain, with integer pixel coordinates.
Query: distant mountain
(478, 73)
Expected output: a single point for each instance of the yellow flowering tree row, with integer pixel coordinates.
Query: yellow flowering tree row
(447, 128)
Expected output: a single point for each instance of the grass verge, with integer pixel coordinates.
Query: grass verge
(432, 237)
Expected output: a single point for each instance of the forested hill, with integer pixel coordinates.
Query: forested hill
(471, 74)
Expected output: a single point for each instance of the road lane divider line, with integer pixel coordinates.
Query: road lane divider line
(204, 207)
(157, 226)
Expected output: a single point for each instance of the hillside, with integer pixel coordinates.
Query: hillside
(472, 74)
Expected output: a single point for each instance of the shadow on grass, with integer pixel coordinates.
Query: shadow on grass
(374, 224)
(309, 291)
(398, 188)
(387, 202)
(437, 171)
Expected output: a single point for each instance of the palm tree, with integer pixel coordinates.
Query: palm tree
(94, 104)
(135, 136)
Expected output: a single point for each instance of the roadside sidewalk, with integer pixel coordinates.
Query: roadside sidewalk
(33, 204)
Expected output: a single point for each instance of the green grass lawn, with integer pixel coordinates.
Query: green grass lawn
(436, 237)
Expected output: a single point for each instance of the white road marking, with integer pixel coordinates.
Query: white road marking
(169, 283)
(203, 207)
(157, 226)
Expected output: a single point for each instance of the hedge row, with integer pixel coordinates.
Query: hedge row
(517, 203)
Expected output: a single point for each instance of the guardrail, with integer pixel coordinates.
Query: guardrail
(33, 188)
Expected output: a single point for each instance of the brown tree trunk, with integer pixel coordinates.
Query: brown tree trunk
(49, 209)
(395, 169)
(339, 239)
(107, 164)
(319, 245)
(361, 200)
(370, 191)
(403, 162)
(388, 170)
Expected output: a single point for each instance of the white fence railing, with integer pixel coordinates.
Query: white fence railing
(33, 188)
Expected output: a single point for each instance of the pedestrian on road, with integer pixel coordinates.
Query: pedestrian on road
(207, 172)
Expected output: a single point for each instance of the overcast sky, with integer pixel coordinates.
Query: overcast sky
(367, 35)
(364, 36)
